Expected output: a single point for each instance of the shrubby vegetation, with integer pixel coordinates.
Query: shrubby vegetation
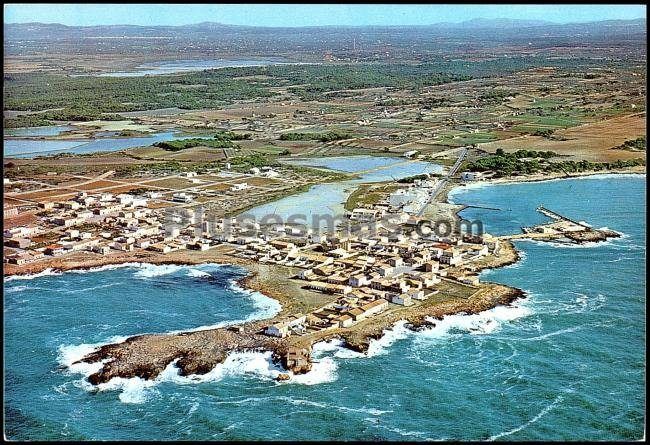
(495, 96)
(231, 136)
(50, 117)
(412, 179)
(89, 97)
(86, 97)
(329, 136)
(183, 144)
(546, 133)
(32, 120)
(223, 139)
(529, 162)
(635, 144)
(320, 79)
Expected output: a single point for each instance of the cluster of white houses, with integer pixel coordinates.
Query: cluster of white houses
(366, 270)
(100, 223)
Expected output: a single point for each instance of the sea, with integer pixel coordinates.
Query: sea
(565, 363)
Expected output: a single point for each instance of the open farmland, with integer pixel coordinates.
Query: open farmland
(593, 141)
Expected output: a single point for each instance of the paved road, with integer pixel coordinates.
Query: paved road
(443, 182)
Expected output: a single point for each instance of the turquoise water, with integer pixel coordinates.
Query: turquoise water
(30, 148)
(567, 362)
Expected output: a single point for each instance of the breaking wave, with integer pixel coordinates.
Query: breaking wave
(556, 245)
(69, 354)
(136, 390)
(157, 270)
(260, 365)
(196, 273)
(46, 273)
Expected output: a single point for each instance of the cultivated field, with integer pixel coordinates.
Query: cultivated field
(593, 141)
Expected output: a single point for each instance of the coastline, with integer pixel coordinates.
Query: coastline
(638, 170)
(147, 355)
(558, 176)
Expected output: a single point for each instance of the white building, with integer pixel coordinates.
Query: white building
(240, 186)
(182, 197)
(359, 280)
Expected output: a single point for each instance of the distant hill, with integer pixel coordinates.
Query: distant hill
(497, 23)
(209, 39)
(31, 31)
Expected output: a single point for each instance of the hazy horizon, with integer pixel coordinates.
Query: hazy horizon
(282, 15)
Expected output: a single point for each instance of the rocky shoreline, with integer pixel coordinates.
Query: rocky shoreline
(198, 352)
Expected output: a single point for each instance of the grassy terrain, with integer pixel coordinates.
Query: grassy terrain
(368, 194)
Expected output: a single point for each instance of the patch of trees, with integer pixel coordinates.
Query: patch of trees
(495, 96)
(433, 102)
(183, 144)
(222, 139)
(545, 133)
(30, 120)
(633, 144)
(50, 117)
(527, 154)
(231, 136)
(334, 135)
(525, 162)
(253, 160)
(412, 179)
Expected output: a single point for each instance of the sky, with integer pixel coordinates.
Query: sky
(306, 15)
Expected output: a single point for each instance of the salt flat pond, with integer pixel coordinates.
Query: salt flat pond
(328, 199)
(30, 148)
(52, 130)
(180, 66)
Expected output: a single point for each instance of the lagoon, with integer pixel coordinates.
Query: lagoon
(329, 199)
(30, 148)
(181, 66)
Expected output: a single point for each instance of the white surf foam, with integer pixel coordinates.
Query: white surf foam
(323, 371)
(89, 289)
(16, 289)
(260, 365)
(105, 267)
(486, 322)
(157, 270)
(557, 245)
(257, 365)
(196, 273)
(304, 402)
(68, 354)
(46, 273)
